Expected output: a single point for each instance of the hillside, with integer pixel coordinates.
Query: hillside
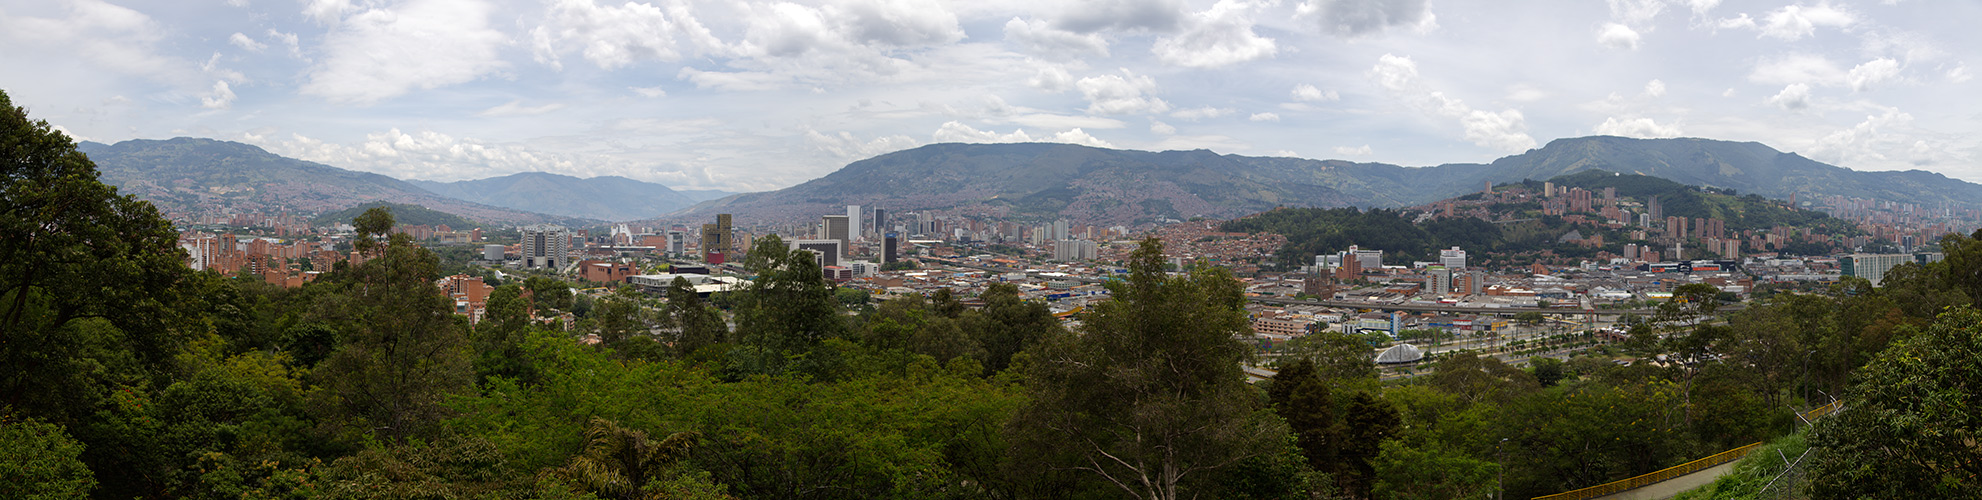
(402, 215)
(1107, 186)
(603, 198)
(187, 175)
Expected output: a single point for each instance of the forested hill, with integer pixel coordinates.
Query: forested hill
(1108, 186)
(1518, 232)
(604, 198)
(410, 215)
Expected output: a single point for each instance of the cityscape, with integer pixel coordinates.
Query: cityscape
(928, 249)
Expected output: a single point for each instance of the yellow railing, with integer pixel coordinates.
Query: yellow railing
(1653, 478)
(1621, 486)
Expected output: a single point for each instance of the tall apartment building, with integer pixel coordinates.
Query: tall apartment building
(853, 221)
(718, 240)
(546, 246)
(880, 222)
(891, 248)
(1440, 280)
(834, 227)
(1075, 250)
(677, 243)
(1872, 267)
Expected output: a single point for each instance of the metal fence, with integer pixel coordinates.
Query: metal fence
(1653, 478)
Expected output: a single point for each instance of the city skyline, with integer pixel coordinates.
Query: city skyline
(692, 95)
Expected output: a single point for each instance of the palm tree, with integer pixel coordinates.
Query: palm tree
(617, 461)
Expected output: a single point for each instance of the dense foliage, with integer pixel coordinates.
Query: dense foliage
(413, 215)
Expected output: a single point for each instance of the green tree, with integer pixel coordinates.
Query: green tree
(548, 293)
(697, 324)
(1150, 398)
(404, 352)
(623, 315)
(786, 311)
(1337, 357)
(499, 339)
(371, 228)
(1908, 429)
(1008, 325)
(40, 462)
(619, 462)
(1300, 397)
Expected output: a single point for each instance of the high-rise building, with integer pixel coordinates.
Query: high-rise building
(834, 227)
(880, 221)
(1440, 280)
(677, 243)
(1074, 250)
(853, 222)
(718, 240)
(546, 246)
(890, 248)
(1872, 267)
(828, 250)
(1452, 259)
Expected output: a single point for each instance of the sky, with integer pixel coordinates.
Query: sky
(750, 96)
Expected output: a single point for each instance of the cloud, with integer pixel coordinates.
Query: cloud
(1039, 38)
(1121, 94)
(1051, 79)
(1864, 76)
(1200, 113)
(108, 36)
(1959, 74)
(1655, 88)
(1264, 117)
(326, 11)
(1160, 128)
(1618, 36)
(1095, 15)
(516, 108)
(221, 97)
(1793, 97)
(245, 43)
(614, 36)
(1363, 150)
(649, 92)
(1220, 36)
(1308, 93)
(1357, 18)
(288, 40)
(423, 44)
(959, 132)
(1792, 22)
(1505, 130)
(1635, 12)
(423, 155)
(1525, 93)
(1643, 128)
(1888, 140)
(846, 147)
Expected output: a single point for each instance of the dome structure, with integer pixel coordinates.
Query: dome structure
(1401, 353)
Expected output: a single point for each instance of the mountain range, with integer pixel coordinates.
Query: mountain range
(1035, 180)
(1106, 186)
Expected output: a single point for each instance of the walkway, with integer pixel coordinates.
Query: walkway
(1673, 487)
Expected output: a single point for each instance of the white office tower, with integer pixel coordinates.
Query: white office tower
(853, 221)
(1060, 230)
(546, 246)
(1452, 259)
(677, 244)
(1441, 280)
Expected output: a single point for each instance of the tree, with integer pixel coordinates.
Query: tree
(1370, 422)
(371, 227)
(39, 462)
(499, 339)
(618, 462)
(623, 315)
(1150, 398)
(71, 251)
(697, 325)
(549, 293)
(1300, 397)
(1337, 356)
(404, 351)
(1908, 428)
(1009, 325)
(786, 311)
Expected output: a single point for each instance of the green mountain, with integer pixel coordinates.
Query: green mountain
(1109, 186)
(191, 175)
(603, 198)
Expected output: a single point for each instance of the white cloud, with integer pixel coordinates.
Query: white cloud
(1121, 94)
(1052, 79)
(1308, 93)
(1643, 128)
(516, 108)
(1220, 36)
(1636, 12)
(326, 11)
(1959, 74)
(847, 147)
(1793, 97)
(1505, 130)
(1160, 128)
(1264, 117)
(288, 40)
(1363, 150)
(1655, 88)
(1039, 38)
(1738, 22)
(1864, 76)
(422, 44)
(1887, 140)
(1355, 18)
(1201, 112)
(1797, 21)
(245, 43)
(959, 132)
(614, 36)
(108, 36)
(1525, 93)
(649, 92)
(221, 97)
(1701, 7)
(423, 155)
(1618, 36)
(1797, 68)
